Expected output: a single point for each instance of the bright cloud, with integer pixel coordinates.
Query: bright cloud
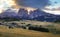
(5, 4)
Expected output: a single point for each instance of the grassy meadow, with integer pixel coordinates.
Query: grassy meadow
(19, 32)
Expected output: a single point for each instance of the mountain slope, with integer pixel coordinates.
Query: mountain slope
(18, 32)
(37, 14)
(42, 16)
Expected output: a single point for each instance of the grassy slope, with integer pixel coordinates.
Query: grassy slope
(34, 22)
(18, 32)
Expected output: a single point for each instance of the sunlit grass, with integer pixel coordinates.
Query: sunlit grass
(18, 32)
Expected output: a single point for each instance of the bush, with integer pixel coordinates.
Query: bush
(36, 28)
(57, 21)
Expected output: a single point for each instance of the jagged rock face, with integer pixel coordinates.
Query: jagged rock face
(8, 13)
(37, 13)
(34, 15)
(41, 15)
(22, 13)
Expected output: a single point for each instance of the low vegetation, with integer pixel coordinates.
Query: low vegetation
(54, 28)
(29, 29)
(18, 32)
(57, 21)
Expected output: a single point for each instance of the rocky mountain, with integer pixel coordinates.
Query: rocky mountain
(37, 14)
(8, 13)
(42, 16)
(22, 13)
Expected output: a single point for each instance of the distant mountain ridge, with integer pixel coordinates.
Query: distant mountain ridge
(34, 15)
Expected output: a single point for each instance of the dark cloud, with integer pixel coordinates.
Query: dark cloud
(33, 3)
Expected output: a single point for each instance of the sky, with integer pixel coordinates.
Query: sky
(33, 3)
(30, 4)
(55, 3)
(39, 3)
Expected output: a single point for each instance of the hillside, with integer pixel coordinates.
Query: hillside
(18, 32)
(37, 14)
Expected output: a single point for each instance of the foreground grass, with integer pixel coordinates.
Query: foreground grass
(18, 32)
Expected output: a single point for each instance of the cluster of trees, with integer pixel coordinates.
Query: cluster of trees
(10, 19)
(29, 27)
(57, 21)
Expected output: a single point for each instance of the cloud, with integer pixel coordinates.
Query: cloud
(33, 3)
(56, 12)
